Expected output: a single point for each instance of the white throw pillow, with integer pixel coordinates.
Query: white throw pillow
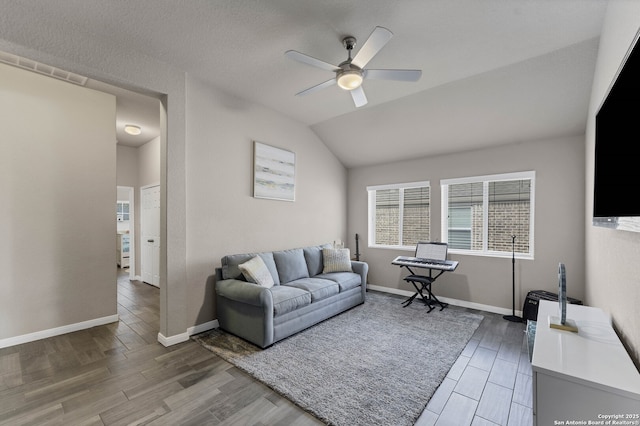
(336, 260)
(256, 271)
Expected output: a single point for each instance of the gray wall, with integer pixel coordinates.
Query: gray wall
(127, 166)
(222, 215)
(613, 257)
(57, 185)
(559, 220)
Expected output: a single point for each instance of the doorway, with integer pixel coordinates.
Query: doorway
(138, 166)
(125, 230)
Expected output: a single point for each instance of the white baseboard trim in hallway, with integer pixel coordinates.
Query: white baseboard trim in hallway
(183, 337)
(57, 331)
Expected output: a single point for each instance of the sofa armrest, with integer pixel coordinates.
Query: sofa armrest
(246, 310)
(362, 269)
(244, 292)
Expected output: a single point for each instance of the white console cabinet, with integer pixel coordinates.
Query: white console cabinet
(584, 377)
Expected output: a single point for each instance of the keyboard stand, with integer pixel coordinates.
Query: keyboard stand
(423, 283)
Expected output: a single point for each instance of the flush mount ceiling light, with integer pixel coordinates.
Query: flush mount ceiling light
(132, 129)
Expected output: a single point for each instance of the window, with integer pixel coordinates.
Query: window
(398, 215)
(460, 227)
(481, 215)
(122, 211)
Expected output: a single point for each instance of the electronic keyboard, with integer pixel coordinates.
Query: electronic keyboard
(418, 262)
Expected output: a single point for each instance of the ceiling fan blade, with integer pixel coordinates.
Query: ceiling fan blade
(317, 87)
(309, 60)
(398, 75)
(376, 41)
(359, 97)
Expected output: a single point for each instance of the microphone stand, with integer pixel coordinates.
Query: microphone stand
(513, 317)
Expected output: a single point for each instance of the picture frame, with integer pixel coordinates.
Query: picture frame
(274, 172)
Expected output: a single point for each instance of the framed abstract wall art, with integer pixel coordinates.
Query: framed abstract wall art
(274, 172)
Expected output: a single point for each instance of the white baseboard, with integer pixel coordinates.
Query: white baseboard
(173, 340)
(183, 337)
(165, 341)
(455, 302)
(38, 335)
(201, 328)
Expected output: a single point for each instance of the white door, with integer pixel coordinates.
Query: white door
(150, 235)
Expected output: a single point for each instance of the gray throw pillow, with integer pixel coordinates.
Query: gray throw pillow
(291, 265)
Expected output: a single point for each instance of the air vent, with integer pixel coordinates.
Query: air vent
(43, 69)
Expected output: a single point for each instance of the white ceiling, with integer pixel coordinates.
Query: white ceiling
(494, 71)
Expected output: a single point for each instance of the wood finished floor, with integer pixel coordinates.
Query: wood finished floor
(490, 383)
(117, 374)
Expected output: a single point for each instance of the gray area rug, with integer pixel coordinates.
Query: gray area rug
(377, 364)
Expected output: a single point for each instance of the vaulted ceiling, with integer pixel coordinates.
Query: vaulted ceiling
(493, 71)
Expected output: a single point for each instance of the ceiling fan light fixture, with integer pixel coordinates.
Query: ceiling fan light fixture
(350, 73)
(350, 79)
(132, 129)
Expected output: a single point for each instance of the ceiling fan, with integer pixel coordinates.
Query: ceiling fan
(351, 73)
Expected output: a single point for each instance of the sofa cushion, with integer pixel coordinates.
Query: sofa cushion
(256, 271)
(231, 270)
(318, 288)
(287, 299)
(313, 257)
(291, 265)
(346, 280)
(336, 260)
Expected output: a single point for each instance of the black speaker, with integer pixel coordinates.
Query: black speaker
(531, 302)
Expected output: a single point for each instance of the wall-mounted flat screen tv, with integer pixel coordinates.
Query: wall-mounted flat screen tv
(616, 200)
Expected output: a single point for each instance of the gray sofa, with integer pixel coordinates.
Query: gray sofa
(302, 295)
